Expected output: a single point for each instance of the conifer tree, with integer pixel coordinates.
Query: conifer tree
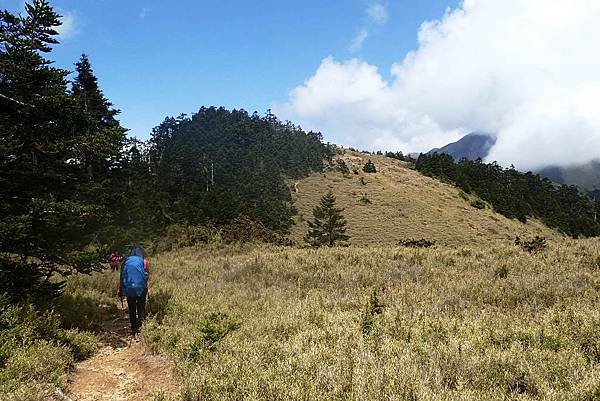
(369, 167)
(102, 135)
(49, 211)
(329, 226)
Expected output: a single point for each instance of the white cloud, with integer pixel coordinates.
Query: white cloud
(68, 28)
(377, 13)
(530, 73)
(358, 40)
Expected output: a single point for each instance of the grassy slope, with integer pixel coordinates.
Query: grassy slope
(405, 204)
(468, 323)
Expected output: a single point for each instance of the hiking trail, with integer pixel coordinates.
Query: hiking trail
(121, 369)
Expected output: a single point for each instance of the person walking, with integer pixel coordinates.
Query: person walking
(134, 286)
(114, 261)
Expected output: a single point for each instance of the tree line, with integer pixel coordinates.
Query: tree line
(518, 195)
(73, 186)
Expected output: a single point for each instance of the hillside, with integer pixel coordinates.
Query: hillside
(477, 145)
(404, 204)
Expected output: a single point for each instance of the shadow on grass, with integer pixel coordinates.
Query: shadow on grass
(109, 321)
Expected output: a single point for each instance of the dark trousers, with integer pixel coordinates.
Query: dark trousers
(137, 311)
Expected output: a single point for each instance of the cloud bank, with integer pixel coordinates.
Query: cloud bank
(528, 73)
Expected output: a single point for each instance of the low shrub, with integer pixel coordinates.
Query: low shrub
(369, 167)
(81, 344)
(36, 352)
(478, 204)
(212, 329)
(416, 243)
(534, 245)
(373, 308)
(342, 167)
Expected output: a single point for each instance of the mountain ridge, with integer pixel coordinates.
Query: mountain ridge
(477, 145)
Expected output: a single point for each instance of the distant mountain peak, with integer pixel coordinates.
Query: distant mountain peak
(472, 146)
(478, 144)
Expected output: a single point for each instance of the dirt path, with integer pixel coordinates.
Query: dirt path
(121, 370)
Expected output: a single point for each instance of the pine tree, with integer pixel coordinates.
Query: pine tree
(329, 226)
(369, 167)
(49, 214)
(102, 136)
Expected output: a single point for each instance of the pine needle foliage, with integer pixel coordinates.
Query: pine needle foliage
(329, 225)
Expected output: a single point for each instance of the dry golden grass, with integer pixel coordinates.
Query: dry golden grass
(466, 323)
(405, 204)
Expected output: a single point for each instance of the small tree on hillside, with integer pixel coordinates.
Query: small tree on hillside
(342, 167)
(369, 167)
(328, 226)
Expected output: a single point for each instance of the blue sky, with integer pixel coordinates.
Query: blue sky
(156, 58)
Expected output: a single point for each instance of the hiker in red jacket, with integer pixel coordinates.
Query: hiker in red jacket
(114, 261)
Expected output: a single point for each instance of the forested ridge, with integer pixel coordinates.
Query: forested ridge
(216, 166)
(518, 195)
(73, 186)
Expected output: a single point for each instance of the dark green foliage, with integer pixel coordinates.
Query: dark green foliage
(416, 243)
(243, 229)
(211, 330)
(369, 167)
(478, 204)
(395, 155)
(533, 245)
(217, 166)
(24, 325)
(56, 155)
(342, 167)
(373, 308)
(517, 195)
(329, 226)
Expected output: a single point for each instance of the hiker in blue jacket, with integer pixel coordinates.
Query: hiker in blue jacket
(134, 286)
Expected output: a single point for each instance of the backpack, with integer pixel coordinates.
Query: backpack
(134, 277)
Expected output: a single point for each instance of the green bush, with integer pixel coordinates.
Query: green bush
(369, 167)
(373, 308)
(212, 329)
(36, 353)
(536, 244)
(81, 344)
(416, 243)
(41, 361)
(342, 167)
(478, 204)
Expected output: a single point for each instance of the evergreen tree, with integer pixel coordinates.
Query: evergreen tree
(369, 167)
(329, 226)
(342, 167)
(102, 137)
(49, 214)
